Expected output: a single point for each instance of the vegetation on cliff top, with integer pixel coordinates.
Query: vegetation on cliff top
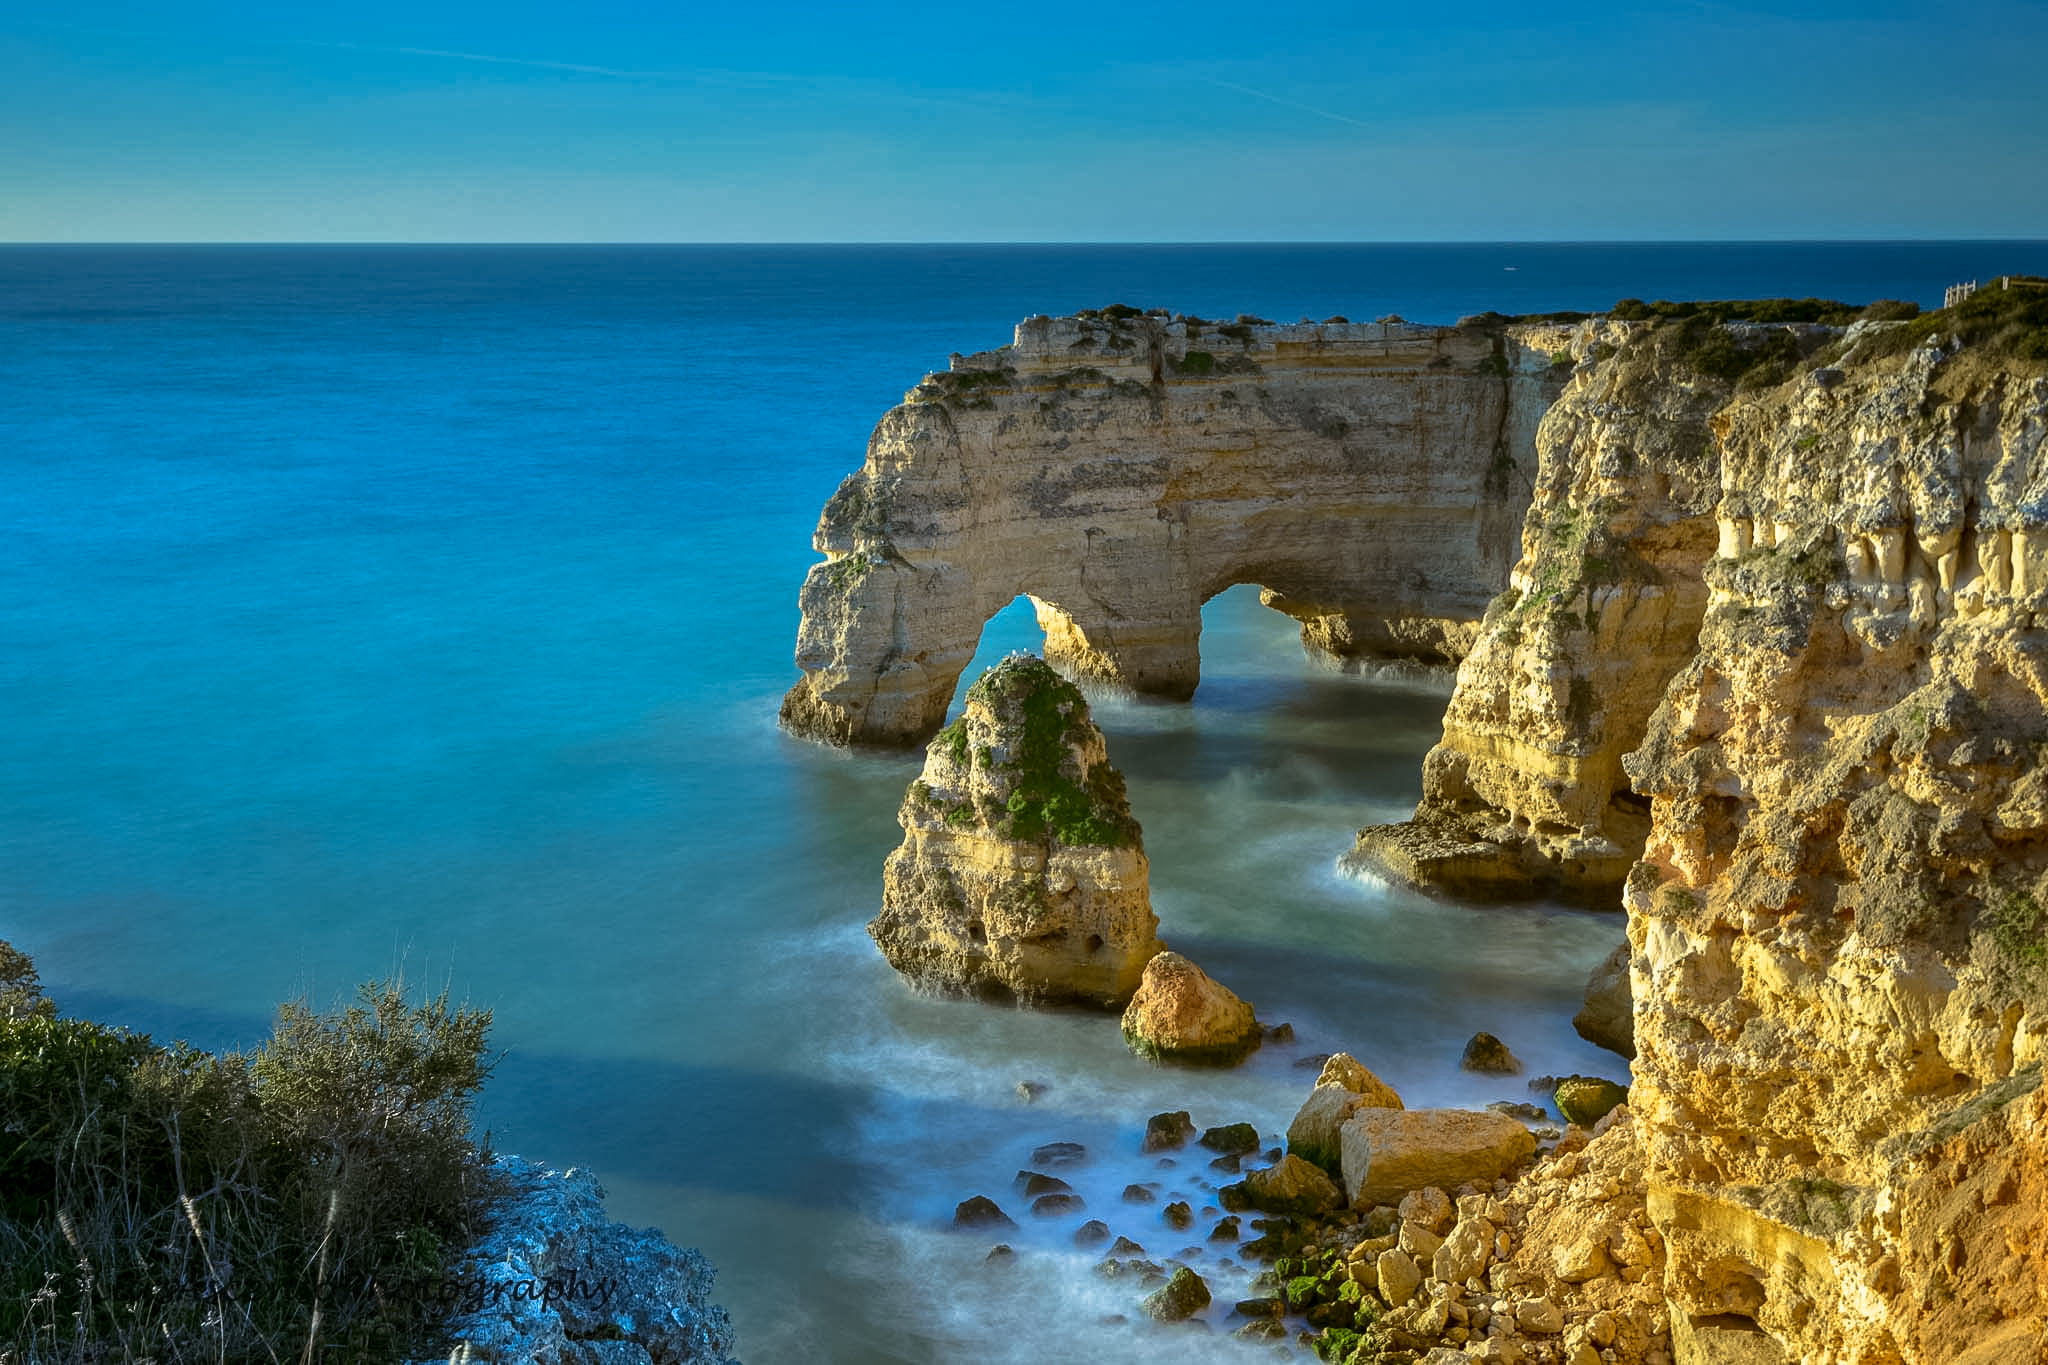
(2007, 318)
(168, 1203)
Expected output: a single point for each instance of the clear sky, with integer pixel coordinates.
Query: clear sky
(598, 120)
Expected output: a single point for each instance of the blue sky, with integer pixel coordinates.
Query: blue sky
(1046, 121)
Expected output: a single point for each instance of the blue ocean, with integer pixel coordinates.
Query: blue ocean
(381, 609)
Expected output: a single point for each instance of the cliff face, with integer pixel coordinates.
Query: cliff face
(1836, 922)
(1773, 668)
(1526, 792)
(1122, 470)
(1022, 873)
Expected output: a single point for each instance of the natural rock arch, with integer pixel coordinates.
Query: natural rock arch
(1122, 470)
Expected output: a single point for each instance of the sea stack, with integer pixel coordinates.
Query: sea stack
(1022, 873)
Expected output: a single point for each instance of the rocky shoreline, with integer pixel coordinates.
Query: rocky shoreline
(1442, 1235)
(1767, 677)
(554, 1281)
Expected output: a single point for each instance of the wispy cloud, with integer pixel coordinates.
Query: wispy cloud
(1291, 104)
(544, 65)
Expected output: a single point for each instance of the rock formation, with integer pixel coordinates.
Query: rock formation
(1770, 675)
(1182, 1014)
(1608, 1016)
(1121, 469)
(556, 1282)
(1388, 1152)
(1772, 669)
(1021, 873)
(1344, 1087)
(1525, 794)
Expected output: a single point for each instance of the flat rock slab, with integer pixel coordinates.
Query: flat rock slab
(1386, 1153)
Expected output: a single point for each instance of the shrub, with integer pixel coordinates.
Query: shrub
(172, 1203)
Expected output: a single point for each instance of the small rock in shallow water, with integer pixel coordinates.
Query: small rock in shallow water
(1314, 1061)
(1059, 1154)
(1225, 1231)
(1515, 1109)
(1181, 1298)
(1138, 1194)
(1092, 1233)
(1002, 1253)
(1126, 1247)
(1167, 1131)
(1261, 1308)
(1054, 1205)
(981, 1212)
(1029, 1091)
(1179, 1215)
(1490, 1055)
(1036, 1184)
(1229, 1165)
(1280, 1033)
(1235, 1139)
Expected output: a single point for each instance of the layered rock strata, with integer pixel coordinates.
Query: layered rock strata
(1836, 926)
(1022, 873)
(1777, 649)
(1121, 469)
(1525, 794)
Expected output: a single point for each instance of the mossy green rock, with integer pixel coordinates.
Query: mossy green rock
(1585, 1100)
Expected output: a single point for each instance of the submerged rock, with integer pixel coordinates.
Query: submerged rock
(1233, 1139)
(1059, 1154)
(1021, 873)
(1182, 1014)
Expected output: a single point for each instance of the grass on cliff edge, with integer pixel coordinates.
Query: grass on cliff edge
(304, 1200)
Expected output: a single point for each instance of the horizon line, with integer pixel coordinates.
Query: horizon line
(991, 242)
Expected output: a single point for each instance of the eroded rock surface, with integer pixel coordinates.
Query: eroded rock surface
(1776, 651)
(1021, 873)
(1121, 470)
(556, 1282)
(1182, 1014)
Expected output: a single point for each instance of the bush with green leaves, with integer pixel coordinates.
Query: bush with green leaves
(169, 1202)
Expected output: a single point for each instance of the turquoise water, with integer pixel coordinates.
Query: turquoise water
(368, 609)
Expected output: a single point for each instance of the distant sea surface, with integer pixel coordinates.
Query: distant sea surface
(366, 609)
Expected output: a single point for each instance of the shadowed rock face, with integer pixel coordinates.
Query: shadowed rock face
(1120, 472)
(1022, 873)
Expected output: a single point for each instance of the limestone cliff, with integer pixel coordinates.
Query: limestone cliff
(1837, 921)
(1526, 793)
(1022, 873)
(1120, 469)
(1776, 645)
